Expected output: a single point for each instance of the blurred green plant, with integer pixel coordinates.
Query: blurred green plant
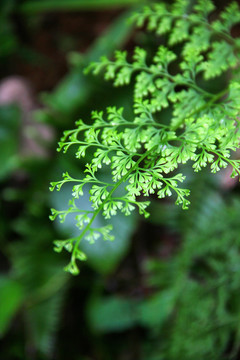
(29, 7)
(203, 278)
(9, 139)
(194, 303)
(8, 38)
(30, 274)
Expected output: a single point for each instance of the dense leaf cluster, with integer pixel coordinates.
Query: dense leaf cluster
(145, 152)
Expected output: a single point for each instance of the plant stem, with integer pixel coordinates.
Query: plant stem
(79, 238)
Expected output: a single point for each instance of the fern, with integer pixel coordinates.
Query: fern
(144, 153)
(202, 283)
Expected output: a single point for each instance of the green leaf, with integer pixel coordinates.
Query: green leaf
(204, 7)
(11, 298)
(111, 314)
(164, 57)
(220, 59)
(185, 103)
(180, 32)
(230, 16)
(154, 311)
(43, 320)
(199, 41)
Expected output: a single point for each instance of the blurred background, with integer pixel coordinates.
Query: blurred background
(168, 288)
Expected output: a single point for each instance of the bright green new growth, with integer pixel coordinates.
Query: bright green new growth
(145, 154)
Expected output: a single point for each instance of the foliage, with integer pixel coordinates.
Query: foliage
(8, 38)
(167, 287)
(33, 289)
(145, 152)
(194, 294)
(10, 119)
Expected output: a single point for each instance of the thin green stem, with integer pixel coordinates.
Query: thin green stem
(161, 74)
(122, 180)
(184, 83)
(74, 210)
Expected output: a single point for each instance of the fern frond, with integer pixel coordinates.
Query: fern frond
(144, 154)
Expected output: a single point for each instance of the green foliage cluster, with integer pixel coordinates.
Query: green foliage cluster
(167, 288)
(192, 311)
(147, 151)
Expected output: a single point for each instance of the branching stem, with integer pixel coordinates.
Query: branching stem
(122, 180)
